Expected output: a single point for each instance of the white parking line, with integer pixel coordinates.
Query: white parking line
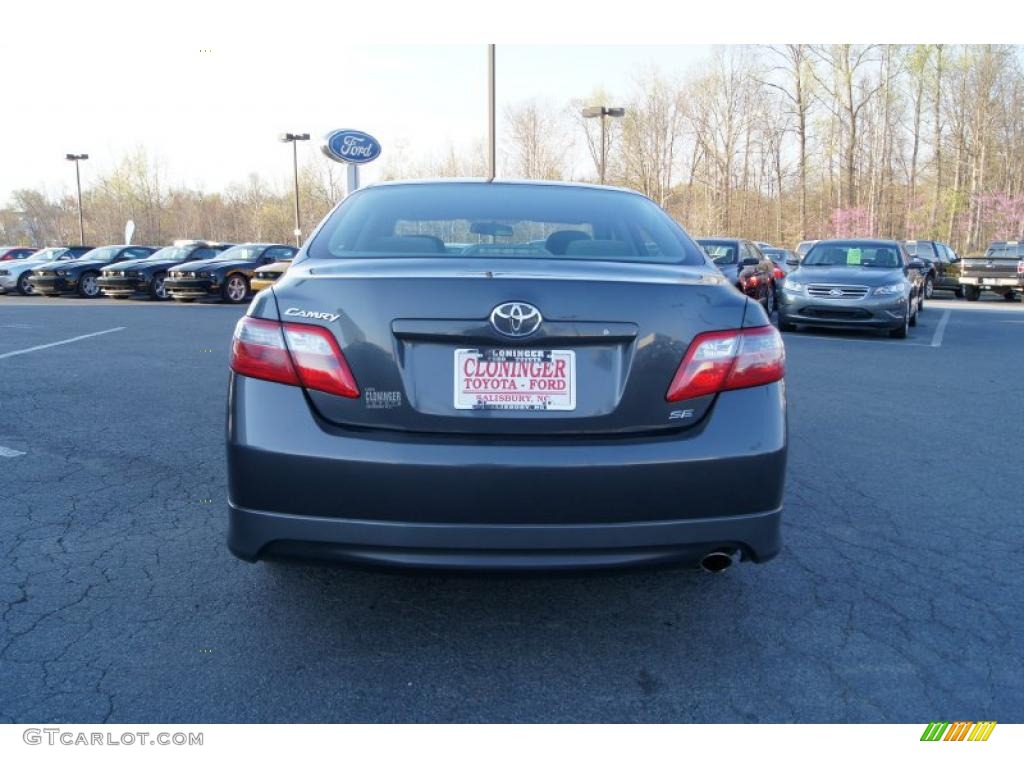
(58, 343)
(9, 453)
(940, 329)
(895, 343)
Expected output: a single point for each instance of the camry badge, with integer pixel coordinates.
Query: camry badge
(515, 318)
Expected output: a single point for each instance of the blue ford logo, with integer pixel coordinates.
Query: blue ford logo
(347, 146)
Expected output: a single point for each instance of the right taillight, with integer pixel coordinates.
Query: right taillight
(722, 360)
(291, 353)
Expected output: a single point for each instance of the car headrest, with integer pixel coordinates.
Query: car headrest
(559, 241)
(599, 248)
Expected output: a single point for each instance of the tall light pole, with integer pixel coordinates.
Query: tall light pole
(78, 183)
(295, 138)
(491, 127)
(603, 112)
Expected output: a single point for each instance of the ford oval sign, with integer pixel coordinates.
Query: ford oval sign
(348, 146)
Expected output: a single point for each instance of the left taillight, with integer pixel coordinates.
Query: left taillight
(291, 353)
(719, 361)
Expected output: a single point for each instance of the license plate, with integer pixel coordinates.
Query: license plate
(515, 379)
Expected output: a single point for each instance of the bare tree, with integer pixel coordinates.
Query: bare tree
(538, 143)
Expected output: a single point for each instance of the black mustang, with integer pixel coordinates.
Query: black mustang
(146, 277)
(82, 274)
(226, 275)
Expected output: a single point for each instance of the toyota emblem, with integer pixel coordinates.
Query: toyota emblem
(835, 292)
(514, 318)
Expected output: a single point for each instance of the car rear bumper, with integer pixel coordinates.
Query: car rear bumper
(8, 283)
(993, 282)
(299, 487)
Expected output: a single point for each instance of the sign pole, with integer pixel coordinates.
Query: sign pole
(351, 178)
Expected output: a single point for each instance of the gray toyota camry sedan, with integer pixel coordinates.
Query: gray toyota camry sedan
(853, 283)
(503, 376)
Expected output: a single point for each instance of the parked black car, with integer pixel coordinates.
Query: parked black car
(602, 400)
(1000, 270)
(745, 266)
(81, 276)
(225, 276)
(942, 266)
(146, 277)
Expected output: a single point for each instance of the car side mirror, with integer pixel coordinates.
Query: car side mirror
(749, 262)
(792, 262)
(917, 264)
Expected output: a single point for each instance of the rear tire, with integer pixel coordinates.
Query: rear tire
(235, 290)
(929, 287)
(958, 292)
(88, 288)
(24, 286)
(785, 327)
(971, 292)
(1009, 296)
(769, 300)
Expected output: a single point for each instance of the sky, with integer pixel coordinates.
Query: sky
(211, 115)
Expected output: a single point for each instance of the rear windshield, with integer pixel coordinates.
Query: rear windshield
(721, 251)
(778, 255)
(503, 221)
(1005, 250)
(853, 254)
(923, 249)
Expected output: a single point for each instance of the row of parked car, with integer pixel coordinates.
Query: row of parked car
(186, 270)
(862, 282)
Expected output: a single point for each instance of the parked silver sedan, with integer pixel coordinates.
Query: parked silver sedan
(859, 283)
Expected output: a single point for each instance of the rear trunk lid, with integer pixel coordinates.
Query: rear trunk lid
(1002, 262)
(418, 337)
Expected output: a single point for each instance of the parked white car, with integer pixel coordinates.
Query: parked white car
(14, 274)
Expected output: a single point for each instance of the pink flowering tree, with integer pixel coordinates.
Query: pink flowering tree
(850, 222)
(1002, 215)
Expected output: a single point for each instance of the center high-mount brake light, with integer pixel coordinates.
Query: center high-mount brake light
(718, 361)
(291, 353)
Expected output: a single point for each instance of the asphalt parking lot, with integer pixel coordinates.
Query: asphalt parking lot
(898, 596)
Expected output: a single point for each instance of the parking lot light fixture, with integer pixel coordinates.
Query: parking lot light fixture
(294, 139)
(78, 184)
(602, 112)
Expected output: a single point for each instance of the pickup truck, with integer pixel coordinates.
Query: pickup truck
(1000, 270)
(942, 266)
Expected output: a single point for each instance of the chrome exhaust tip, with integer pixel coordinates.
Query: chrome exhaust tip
(716, 562)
